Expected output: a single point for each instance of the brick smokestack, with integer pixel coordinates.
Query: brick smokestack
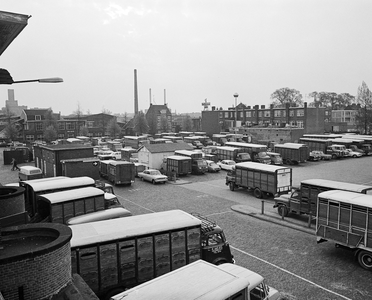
(135, 93)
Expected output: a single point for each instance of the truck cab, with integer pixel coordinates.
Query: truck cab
(242, 157)
(215, 248)
(262, 157)
(337, 151)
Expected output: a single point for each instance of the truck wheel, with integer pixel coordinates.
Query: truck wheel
(334, 156)
(283, 209)
(232, 186)
(257, 193)
(365, 259)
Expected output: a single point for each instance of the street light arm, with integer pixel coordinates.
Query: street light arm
(43, 80)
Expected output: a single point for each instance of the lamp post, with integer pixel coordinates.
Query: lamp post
(236, 95)
(43, 80)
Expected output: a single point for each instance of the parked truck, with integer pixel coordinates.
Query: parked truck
(337, 151)
(263, 179)
(303, 200)
(114, 255)
(232, 153)
(60, 207)
(256, 151)
(198, 164)
(292, 153)
(121, 172)
(344, 218)
(176, 165)
(224, 282)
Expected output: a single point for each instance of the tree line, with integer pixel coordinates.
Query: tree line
(361, 103)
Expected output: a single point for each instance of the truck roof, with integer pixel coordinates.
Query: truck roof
(75, 194)
(259, 166)
(290, 145)
(348, 197)
(121, 228)
(207, 281)
(179, 157)
(338, 185)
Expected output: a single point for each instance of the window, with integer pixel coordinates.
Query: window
(70, 135)
(267, 113)
(240, 114)
(37, 118)
(300, 113)
(61, 136)
(248, 114)
(40, 137)
(226, 114)
(90, 124)
(277, 113)
(70, 126)
(291, 113)
(220, 114)
(61, 126)
(29, 138)
(39, 126)
(284, 114)
(260, 114)
(26, 127)
(300, 124)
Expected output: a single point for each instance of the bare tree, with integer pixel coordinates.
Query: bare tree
(286, 95)
(140, 123)
(113, 129)
(363, 117)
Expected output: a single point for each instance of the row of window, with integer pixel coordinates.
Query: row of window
(39, 137)
(265, 113)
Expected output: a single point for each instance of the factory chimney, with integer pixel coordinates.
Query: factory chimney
(165, 98)
(135, 93)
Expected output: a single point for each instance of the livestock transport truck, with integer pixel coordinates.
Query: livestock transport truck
(269, 180)
(114, 255)
(303, 200)
(346, 219)
(292, 153)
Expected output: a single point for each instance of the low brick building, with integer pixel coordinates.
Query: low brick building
(49, 157)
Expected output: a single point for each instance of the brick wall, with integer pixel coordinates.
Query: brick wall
(40, 276)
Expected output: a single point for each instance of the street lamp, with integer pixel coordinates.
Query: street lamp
(43, 80)
(6, 78)
(236, 95)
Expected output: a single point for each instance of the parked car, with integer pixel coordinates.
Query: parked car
(105, 155)
(351, 153)
(322, 155)
(116, 155)
(153, 176)
(212, 166)
(314, 156)
(227, 164)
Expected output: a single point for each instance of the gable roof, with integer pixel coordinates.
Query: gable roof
(167, 147)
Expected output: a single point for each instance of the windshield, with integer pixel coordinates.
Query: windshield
(262, 154)
(245, 156)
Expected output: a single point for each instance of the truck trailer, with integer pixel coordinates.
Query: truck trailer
(121, 172)
(345, 218)
(292, 153)
(262, 179)
(114, 255)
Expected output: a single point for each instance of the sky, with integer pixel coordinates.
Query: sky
(185, 51)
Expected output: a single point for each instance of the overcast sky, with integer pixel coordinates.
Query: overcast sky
(192, 49)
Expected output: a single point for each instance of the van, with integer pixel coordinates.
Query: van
(29, 173)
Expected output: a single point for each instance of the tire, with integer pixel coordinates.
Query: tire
(334, 156)
(283, 209)
(153, 182)
(354, 156)
(232, 186)
(142, 179)
(257, 193)
(365, 259)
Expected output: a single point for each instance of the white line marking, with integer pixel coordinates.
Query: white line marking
(293, 274)
(135, 203)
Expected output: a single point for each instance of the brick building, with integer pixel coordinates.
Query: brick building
(50, 158)
(159, 118)
(310, 119)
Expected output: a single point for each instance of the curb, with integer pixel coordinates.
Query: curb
(272, 218)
